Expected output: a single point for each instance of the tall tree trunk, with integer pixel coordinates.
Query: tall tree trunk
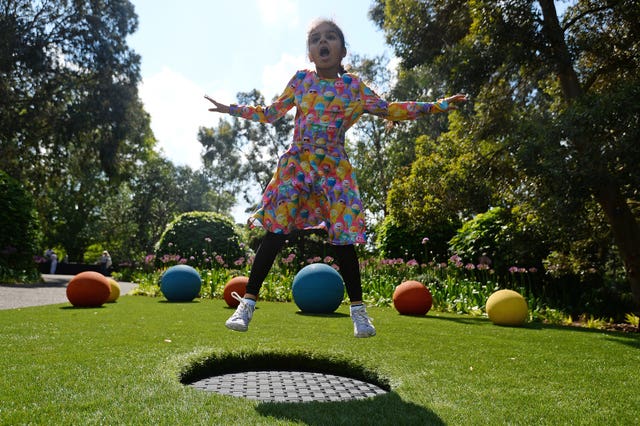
(626, 232)
(625, 228)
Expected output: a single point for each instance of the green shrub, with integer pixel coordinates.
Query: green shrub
(509, 240)
(423, 242)
(20, 234)
(93, 253)
(202, 239)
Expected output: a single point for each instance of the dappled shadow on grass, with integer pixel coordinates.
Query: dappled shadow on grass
(625, 339)
(82, 307)
(384, 409)
(179, 302)
(322, 315)
(615, 336)
(387, 409)
(468, 320)
(537, 325)
(630, 339)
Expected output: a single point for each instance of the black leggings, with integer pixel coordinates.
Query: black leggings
(346, 258)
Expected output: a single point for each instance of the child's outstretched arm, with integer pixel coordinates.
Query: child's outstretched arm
(399, 111)
(407, 110)
(218, 106)
(452, 100)
(260, 113)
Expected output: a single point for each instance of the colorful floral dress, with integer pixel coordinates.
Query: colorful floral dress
(314, 185)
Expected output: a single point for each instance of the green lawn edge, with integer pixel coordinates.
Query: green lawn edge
(125, 363)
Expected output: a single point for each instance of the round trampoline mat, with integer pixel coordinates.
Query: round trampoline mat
(288, 386)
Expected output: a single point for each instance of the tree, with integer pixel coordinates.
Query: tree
(19, 231)
(160, 191)
(71, 124)
(240, 154)
(556, 100)
(379, 153)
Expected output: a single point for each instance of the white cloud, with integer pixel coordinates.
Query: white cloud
(275, 77)
(177, 109)
(275, 13)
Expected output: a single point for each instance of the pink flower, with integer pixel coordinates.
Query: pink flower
(425, 240)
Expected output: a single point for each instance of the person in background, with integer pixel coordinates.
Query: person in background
(105, 263)
(54, 262)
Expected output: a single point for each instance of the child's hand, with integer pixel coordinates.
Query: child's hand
(458, 98)
(218, 106)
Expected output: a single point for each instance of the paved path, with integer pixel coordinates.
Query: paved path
(52, 291)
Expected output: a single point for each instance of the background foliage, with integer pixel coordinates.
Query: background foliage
(549, 126)
(537, 170)
(205, 239)
(19, 231)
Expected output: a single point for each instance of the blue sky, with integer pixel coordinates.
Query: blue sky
(223, 47)
(194, 47)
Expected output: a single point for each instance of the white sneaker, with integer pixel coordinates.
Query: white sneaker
(240, 319)
(362, 325)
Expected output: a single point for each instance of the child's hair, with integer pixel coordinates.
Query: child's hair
(316, 23)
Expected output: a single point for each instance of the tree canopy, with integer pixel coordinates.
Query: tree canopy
(71, 123)
(553, 117)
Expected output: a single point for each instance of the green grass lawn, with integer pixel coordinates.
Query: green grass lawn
(122, 364)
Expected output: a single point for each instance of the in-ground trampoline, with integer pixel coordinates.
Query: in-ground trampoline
(285, 378)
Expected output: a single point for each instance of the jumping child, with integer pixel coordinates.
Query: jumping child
(314, 185)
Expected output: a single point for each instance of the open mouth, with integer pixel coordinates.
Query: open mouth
(324, 52)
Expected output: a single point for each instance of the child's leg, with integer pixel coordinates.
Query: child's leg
(350, 271)
(266, 254)
(347, 260)
(262, 263)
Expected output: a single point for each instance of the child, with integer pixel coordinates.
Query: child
(314, 185)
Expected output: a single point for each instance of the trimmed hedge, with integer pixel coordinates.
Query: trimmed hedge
(200, 239)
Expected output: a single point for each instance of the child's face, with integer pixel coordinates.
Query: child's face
(325, 47)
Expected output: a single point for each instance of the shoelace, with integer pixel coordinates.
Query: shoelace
(361, 318)
(244, 306)
(237, 297)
